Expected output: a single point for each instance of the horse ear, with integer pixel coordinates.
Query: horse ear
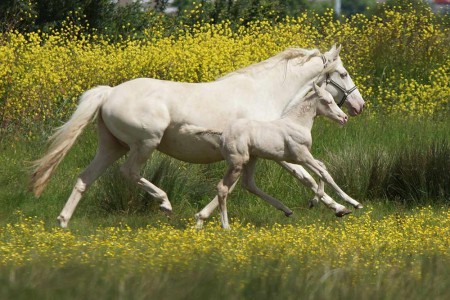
(338, 50)
(333, 54)
(323, 87)
(315, 87)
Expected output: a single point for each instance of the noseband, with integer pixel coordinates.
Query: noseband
(342, 89)
(328, 80)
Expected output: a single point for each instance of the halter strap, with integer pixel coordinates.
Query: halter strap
(339, 87)
(328, 80)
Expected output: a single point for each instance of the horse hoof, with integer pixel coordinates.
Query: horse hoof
(343, 212)
(199, 222)
(359, 206)
(62, 222)
(166, 210)
(313, 202)
(288, 213)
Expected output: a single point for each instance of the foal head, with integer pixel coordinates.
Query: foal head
(326, 106)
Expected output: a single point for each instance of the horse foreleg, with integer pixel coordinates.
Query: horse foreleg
(109, 150)
(306, 179)
(131, 169)
(319, 169)
(223, 189)
(248, 182)
(206, 212)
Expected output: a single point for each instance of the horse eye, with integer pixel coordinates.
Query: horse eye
(343, 75)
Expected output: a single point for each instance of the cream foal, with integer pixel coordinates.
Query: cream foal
(285, 139)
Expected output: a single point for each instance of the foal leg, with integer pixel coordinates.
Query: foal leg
(306, 179)
(206, 212)
(248, 182)
(109, 150)
(223, 188)
(318, 168)
(320, 191)
(139, 153)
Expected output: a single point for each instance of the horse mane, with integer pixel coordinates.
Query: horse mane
(331, 66)
(285, 56)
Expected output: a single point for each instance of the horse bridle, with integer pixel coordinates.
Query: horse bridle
(328, 80)
(346, 92)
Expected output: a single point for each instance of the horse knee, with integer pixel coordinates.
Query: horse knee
(237, 170)
(128, 173)
(321, 164)
(326, 177)
(222, 190)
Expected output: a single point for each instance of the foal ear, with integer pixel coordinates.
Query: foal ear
(316, 87)
(320, 90)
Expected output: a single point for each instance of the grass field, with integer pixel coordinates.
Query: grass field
(120, 246)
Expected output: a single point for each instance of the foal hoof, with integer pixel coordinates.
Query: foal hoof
(62, 222)
(313, 202)
(343, 212)
(198, 221)
(288, 213)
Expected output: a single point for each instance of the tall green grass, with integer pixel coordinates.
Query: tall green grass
(372, 159)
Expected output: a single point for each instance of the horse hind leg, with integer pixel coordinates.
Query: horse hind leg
(109, 150)
(248, 182)
(131, 169)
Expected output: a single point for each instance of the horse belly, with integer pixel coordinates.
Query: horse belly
(188, 147)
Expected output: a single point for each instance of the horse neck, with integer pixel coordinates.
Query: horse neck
(303, 113)
(287, 81)
(301, 80)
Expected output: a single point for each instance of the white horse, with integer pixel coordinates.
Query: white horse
(285, 139)
(144, 114)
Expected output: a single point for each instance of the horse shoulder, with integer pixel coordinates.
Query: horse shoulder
(300, 137)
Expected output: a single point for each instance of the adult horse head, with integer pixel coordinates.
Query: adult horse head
(340, 84)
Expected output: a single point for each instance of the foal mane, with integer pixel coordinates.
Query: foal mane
(302, 106)
(303, 55)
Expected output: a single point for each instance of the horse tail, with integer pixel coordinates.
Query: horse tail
(65, 136)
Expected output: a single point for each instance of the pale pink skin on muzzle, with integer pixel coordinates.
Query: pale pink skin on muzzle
(354, 103)
(344, 120)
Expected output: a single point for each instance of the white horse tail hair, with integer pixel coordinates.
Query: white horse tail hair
(65, 136)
